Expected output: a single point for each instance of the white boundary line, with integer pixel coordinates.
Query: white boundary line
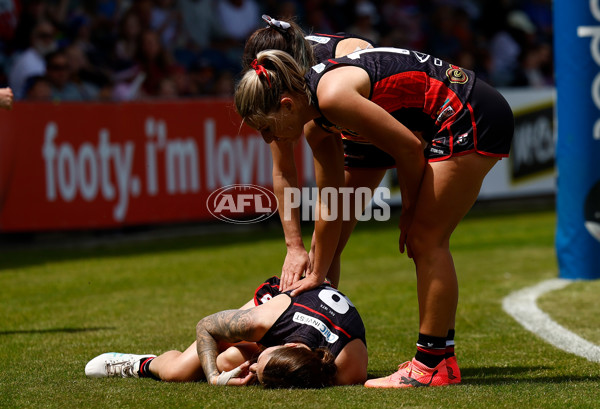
(521, 305)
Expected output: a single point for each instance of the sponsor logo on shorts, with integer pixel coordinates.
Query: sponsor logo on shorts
(317, 324)
(445, 114)
(462, 139)
(439, 141)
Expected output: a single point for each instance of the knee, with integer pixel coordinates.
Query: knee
(176, 370)
(425, 241)
(175, 374)
(229, 359)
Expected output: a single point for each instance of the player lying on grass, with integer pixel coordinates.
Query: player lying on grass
(314, 340)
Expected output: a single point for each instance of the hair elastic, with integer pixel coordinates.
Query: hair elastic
(261, 70)
(278, 25)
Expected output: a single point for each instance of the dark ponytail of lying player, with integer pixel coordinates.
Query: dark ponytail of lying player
(297, 367)
(279, 35)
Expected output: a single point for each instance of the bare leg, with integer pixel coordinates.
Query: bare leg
(177, 366)
(448, 191)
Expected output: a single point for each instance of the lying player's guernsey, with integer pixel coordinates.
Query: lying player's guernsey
(424, 93)
(321, 317)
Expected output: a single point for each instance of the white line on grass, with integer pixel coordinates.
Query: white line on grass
(521, 305)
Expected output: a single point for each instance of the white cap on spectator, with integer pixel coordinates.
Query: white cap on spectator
(521, 21)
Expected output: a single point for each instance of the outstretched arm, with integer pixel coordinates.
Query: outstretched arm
(328, 154)
(285, 176)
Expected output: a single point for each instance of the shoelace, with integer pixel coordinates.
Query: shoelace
(397, 375)
(123, 369)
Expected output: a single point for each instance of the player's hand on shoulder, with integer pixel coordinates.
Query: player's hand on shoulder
(308, 283)
(296, 263)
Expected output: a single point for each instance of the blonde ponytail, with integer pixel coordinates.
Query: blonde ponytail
(272, 74)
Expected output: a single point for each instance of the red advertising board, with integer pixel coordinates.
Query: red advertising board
(82, 166)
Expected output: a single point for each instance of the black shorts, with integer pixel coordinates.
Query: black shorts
(365, 155)
(486, 126)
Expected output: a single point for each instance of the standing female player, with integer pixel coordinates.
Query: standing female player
(365, 165)
(377, 96)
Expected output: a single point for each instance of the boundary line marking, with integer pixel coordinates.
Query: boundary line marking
(522, 306)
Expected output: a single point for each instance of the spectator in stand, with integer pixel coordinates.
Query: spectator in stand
(165, 20)
(237, 19)
(507, 45)
(31, 14)
(200, 26)
(167, 89)
(143, 9)
(31, 62)
(202, 77)
(224, 85)
(154, 61)
(366, 21)
(317, 20)
(38, 88)
(403, 22)
(441, 39)
(531, 70)
(61, 74)
(9, 20)
(126, 47)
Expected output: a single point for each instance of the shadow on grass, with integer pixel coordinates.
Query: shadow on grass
(54, 330)
(491, 375)
(494, 375)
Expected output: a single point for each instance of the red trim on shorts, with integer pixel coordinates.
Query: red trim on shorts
(493, 155)
(475, 140)
(473, 124)
(370, 167)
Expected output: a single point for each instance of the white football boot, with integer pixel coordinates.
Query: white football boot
(114, 364)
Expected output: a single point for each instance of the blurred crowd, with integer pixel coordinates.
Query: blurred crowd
(122, 50)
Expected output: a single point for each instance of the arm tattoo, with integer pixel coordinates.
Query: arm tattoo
(228, 326)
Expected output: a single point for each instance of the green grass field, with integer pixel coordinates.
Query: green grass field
(61, 307)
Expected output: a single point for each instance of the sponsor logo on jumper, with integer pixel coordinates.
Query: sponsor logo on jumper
(317, 324)
(456, 75)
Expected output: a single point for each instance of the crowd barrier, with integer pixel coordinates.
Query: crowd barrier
(91, 166)
(72, 166)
